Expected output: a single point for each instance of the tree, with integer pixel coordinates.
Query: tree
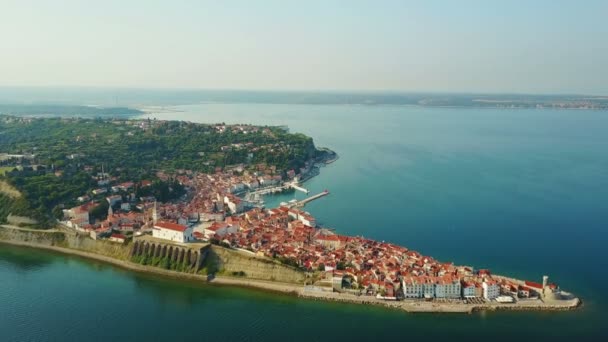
(58, 213)
(100, 212)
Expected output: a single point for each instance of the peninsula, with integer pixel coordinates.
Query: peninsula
(185, 199)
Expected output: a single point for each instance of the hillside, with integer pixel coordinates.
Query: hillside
(52, 161)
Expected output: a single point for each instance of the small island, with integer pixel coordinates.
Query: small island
(187, 200)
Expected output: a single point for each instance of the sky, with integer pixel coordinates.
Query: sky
(438, 46)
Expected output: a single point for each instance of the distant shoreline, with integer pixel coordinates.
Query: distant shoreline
(146, 110)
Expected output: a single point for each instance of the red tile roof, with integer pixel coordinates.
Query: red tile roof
(171, 226)
(533, 284)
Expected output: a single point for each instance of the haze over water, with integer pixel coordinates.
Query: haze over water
(522, 192)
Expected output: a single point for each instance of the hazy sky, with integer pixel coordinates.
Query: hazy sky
(466, 46)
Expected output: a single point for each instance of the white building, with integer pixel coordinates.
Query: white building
(79, 213)
(114, 199)
(431, 287)
(172, 232)
(447, 288)
(428, 289)
(308, 220)
(468, 290)
(234, 203)
(303, 217)
(119, 238)
(412, 288)
(491, 289)
(219, 229)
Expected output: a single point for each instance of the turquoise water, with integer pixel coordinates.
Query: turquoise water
(522, 192)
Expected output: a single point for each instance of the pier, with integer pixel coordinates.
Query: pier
(295, 186)
(250, 196)
(309, 199)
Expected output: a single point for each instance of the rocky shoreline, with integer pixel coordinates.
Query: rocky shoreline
(300, 291)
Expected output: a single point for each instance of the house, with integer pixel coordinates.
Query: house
(307, 220)
(303, 217)
(99, 191)
(172, 232)
(412, 288)
(234, 203)
(219, 229)
(491, 289)
(330, 241)
(447, 288)
(79, 213)
(123, 186)
(269, 180)
(468, 289)
(524, 292)
(114, 199)
(118, 238)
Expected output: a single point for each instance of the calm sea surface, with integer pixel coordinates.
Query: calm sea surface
(522, 192)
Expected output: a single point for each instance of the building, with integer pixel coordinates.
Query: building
(412, 288)
(172, 232)
(234, 203)
(114, 199)
(307, 220)
(219, 229)
(468, 289)
(303, 217)
(329, 241)
(99, 191)
(491, 289)
(79, 213)
(447, 287)
(118, 238)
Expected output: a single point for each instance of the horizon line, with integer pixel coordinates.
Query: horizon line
(301, 90)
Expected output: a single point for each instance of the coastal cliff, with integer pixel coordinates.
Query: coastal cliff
(225, 261)
(56, 238)
(234, 262)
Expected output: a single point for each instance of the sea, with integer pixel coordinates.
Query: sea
(522, 192)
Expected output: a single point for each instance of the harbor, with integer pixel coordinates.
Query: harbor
(256, 197)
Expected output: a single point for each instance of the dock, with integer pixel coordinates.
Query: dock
(299, 188)
(271, 190)
(309, 199)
